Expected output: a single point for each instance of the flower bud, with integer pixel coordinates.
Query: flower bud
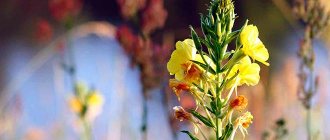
(239, 103)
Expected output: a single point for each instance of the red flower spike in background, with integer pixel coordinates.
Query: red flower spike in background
(126, 38)
(44, 31)
(129, 8)
(154, 16)
(64, 9)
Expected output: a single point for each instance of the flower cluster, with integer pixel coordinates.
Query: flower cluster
(44, 30)
(129, 8)
(211, 72)
(63, 10)
(148, 15)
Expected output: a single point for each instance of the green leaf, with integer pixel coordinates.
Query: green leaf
(192, 137)
(199, 88)
(196, 39)
(227, 54)
(227, 132)
(205, 120)
(231, 36)
(204, 66)
(210, 109)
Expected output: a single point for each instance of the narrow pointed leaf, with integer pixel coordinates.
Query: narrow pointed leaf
(192, 137)
(203, 119)
(204, 66)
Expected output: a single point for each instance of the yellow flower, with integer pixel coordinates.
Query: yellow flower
(239, 104)
(180, 64)
(75, 105)
(252, 45)
(95, 99)
(242, 123)
(248, 73)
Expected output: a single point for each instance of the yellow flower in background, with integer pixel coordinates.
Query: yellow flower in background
(75, 105)
(248, 73)
(81, 88)
(95, 99)
(252, 45)
(94, 103)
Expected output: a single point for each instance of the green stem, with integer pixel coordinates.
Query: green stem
(87, 130)
(144, 127)
(217, 107)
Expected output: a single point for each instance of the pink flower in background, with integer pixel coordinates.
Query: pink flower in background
(129, 8)
(154, 16)
(44, 31)
(64, 9)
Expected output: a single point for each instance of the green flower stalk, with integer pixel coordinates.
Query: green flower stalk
(208, 70)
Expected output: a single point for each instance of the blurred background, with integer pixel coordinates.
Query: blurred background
(47, 47)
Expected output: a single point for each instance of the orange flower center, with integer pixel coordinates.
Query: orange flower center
(239, 103)
(178, 86)
(192, 72)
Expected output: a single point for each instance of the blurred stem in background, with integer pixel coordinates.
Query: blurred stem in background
(314, 18)
(86, 101)
(70, 68)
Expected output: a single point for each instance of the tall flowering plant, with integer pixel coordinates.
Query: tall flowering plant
(205, 67)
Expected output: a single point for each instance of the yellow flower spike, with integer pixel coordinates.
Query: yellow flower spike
(252, 45)
(95, 99)
(75, 105)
